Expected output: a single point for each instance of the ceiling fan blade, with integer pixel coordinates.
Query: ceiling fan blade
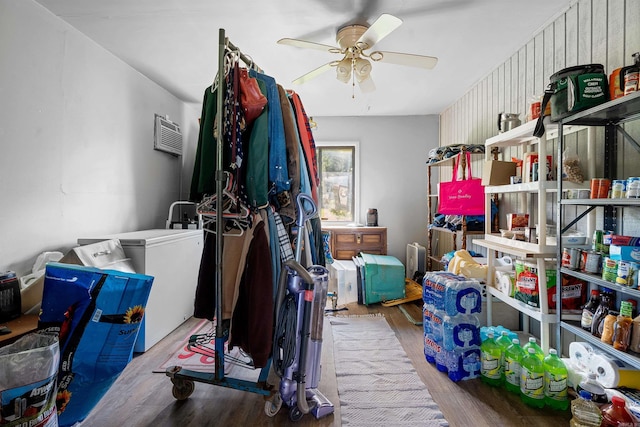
(367, 85)
(314, 73)
(308, 45)
(380, 29)
(408, 59)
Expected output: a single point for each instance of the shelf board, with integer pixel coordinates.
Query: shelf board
(601, 202)
(449, 231)
(609, 113)
(534, 187)
(516, 247)
(523, 134)
(630, 358)
(597, 279)
(532, 312)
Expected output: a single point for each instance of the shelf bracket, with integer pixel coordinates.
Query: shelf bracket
(629, 138)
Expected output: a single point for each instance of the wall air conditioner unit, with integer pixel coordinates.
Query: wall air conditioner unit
(416, 259)
(167, 136)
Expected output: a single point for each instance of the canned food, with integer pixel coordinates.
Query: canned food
(609, 269)
(571, 258)
(597, 242)
(633, 187)
(600, 188)
(627, 271)
(590, 262)
(617, 188)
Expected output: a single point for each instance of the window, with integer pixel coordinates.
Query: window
(338, 190)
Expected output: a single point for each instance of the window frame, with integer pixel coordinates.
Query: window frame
(355, 145)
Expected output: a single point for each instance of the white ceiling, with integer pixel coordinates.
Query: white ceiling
(175, 43)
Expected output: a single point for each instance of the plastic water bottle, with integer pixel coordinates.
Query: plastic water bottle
(512, 359)
(461, 331)
(462, 296)
(532, 379)
(555, 381)
(532, 344)
(463, 363)
(616, 414)
(585, 412)
(430, 346)
(490, 354)
(503, 342)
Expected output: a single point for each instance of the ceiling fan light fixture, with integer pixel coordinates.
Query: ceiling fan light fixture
(343, 70)
(361, 68)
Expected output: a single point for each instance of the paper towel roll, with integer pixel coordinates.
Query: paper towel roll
(605, 369)
(612, 372)
(580, 353)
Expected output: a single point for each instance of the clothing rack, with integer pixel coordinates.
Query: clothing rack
(183, 380)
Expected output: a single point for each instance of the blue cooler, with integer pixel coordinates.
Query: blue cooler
(383, 278)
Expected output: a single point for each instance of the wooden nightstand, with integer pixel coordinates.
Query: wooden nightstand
(347, 242)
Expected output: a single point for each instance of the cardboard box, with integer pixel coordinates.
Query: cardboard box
(496, 172)
(517, 221)
(624, 253)
(531, 170)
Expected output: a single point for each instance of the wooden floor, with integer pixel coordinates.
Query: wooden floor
(142, 398)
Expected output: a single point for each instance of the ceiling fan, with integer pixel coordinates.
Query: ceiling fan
(354, 41)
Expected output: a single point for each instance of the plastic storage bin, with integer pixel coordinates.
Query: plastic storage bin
(383, 278)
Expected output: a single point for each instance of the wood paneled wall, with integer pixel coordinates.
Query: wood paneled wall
(590, 31)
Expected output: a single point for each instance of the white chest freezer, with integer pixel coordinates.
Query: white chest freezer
(172, 257)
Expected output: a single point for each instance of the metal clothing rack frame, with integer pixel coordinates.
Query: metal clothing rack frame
(183, 379)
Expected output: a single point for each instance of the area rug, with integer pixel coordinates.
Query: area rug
(199, 355)
(377, 384)
(189, 359)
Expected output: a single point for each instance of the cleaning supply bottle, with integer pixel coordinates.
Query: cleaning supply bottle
(538, 350)
(532, 379)
(615, 414)
(622, 327)
(589, 309)
(555, 381)
(595, 389)
(490, 368)
(512, 359)
(503, 342)
(585, 412)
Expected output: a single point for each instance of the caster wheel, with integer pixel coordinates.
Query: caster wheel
(271, 407)
(182, 389)
(295, 414)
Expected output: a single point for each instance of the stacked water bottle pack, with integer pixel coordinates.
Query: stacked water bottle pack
(451, 307)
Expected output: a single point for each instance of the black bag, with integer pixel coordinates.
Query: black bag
(571, 90)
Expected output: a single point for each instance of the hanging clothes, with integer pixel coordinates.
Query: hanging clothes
(252, 323)
(288, 211)
(278, 174)
(203, 178)
(235, 248)
(256, 182)
(308, 143)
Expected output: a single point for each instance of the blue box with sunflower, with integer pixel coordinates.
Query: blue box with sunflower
(96, 315)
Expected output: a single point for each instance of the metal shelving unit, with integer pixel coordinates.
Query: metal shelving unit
(608, 115)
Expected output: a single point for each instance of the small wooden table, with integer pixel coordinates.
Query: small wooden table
(21, 326)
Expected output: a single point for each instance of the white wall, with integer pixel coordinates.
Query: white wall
(393, 171)
(76, 132)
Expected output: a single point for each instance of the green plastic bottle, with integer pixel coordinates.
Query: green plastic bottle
(491, 355)
(555, 381)
(532, 379)
(512, 359)
(532, 343)
(503, 342)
